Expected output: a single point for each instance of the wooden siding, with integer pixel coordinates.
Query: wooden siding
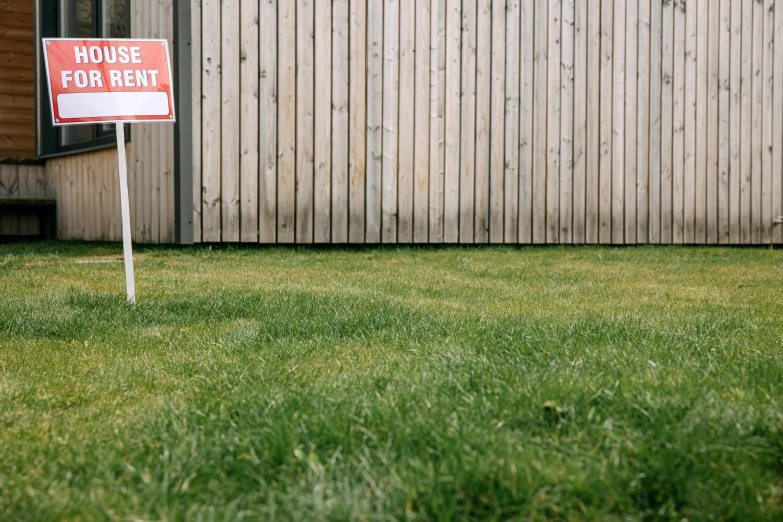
(88, 195)
(23, 180)
(17, 79)
(151, 148)
(482, 121)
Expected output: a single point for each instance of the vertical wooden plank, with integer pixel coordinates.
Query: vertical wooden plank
(113, 191)
(768, 117)
(689, 134)
(151, 187)
(713, 122)
(468, 122)
(540, 92)
(453, 88)
(757, 121)
(340, 120)
(565, 233)
(746, 131)
(702, 129)
(511, 118)
(606, 124)
(618, 123)
(210, 122)
(656, 93)
(581, 29)
(777, 130)
(267, 122)
(9, 186)
(667, 120)
(678, 122)
(643, 125)
(374, 120)
(421, 150)
(527, 145)
(196, 71)
(497, 141)
(483, 95)
(593, 127)
(305, 124)
(323, 120)
(167, 150)
(230, 116)
(632, 110)
(357, 119)
(724, 126)
(552, 195)
(28, 224)
(691, 122)
(735, 138)
(407, 122)
(248, 122)
(437, 118)
(391, 94)
(286, 122)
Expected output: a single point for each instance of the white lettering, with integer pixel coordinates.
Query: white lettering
(141, 79)
(123, 52)
(129, 79)
(81, 54)
(80, 78)
(110, 54)
(95, 54)
(96, 79)
(135, 54)
(153, 77)
(116, 78)
(67, 77)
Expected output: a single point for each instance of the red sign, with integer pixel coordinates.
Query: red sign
(108, 80)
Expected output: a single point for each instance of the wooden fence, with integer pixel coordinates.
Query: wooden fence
(473, 121)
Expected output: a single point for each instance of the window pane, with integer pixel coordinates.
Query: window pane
(76, 18)
(76, 21)
(114, 19)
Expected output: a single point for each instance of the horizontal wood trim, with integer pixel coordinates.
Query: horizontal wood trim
(23, 47)
(14, 101)
(18, 144)
(18, 116)
(22, 88)
(15, 201)
(16, 74)
(17, 60)
(13, 153)
(22, 130)
(18, 19)
(8, 32)
(16, 6)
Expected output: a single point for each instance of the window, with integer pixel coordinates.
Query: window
(80, 19)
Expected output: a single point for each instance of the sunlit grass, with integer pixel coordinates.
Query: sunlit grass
(382, 384)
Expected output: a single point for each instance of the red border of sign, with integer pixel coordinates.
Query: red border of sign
(120, 119)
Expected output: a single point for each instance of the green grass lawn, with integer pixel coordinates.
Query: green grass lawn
(391, 384)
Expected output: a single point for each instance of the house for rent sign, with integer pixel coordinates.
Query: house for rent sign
(108, 80)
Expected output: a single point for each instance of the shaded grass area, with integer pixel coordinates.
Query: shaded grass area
(391, 384)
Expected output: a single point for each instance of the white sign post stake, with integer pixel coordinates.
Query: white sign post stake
(126, 230)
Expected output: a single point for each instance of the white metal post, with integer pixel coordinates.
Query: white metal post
(126, 230)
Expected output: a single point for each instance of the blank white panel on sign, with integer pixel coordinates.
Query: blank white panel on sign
(110, 104)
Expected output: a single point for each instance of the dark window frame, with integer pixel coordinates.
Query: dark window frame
(50, 135)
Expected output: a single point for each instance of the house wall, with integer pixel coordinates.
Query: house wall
(535, 121)
(17, 79)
